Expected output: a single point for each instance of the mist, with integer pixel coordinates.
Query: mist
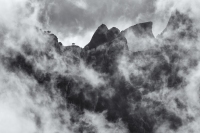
(129, 82)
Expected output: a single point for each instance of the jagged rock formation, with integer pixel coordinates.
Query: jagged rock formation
(102, 35)
(129, 102)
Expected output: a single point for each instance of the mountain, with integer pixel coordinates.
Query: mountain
(140, 30)
(102, 35)
(140, 88)
(179, 26)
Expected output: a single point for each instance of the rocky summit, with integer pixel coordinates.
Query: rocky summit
(141, 86)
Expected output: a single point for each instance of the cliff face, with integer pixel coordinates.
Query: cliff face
(135, 87)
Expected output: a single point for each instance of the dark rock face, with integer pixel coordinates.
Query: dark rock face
(99, 37)
(155, 68)
(102, 35)
(103, 58)
(113, 33)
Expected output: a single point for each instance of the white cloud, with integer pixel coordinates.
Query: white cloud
(102, 125)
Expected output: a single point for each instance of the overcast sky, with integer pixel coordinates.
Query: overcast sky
(75, 21)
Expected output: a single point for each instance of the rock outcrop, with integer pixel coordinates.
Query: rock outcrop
(140, 30)
(102, 35)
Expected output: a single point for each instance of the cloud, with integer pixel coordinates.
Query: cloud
(164, 8)
(80, 3)
(102, 125)
(26, 107)
(32, 107)
(77, 18)
(25, 104)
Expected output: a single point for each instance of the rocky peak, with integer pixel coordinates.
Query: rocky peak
(99, 37)
(102, 35)
(140, 30)
(102, 28)
(135, 34)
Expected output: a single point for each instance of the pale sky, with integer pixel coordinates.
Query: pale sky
(75, 21)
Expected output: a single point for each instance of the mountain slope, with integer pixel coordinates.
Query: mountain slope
(139, 91)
